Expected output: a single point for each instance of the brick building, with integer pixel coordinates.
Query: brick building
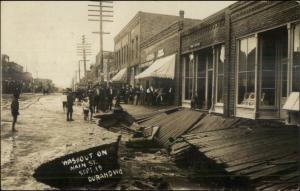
(244, 60)
(128, 41)
(13, 76)
(157, 47)
(105, 71)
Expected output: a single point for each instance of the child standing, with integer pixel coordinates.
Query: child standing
(86, 108)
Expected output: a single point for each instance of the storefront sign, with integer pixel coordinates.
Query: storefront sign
(195, 45)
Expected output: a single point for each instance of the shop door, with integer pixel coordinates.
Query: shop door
(209, 82)
(273, 86)
(209, 88)
(281, 59)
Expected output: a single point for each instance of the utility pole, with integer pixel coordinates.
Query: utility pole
(83, 49)
(106, 8)
(79, 71)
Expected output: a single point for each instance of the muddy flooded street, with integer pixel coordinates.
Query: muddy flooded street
(43, 134)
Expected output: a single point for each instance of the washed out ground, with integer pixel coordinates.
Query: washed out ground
(44, 134)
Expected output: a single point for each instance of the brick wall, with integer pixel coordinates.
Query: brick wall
(169, 45)
(153, 23)
(210, 32)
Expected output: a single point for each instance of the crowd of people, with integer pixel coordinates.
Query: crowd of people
(139, 95)
(103, 97)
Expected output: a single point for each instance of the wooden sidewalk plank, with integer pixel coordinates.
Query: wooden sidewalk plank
(271, 171)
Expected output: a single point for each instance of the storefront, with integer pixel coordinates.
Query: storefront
(202, 65)
(243, 61)
(266, 69)
(203, 77)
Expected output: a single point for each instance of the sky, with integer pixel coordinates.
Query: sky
(42, 36)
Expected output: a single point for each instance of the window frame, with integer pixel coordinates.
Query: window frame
(292, 46)
(238, 40)
(136, 46)
(185, 61)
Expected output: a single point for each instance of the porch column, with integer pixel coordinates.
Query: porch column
(178, 73)
(213, 78)
(195, 63)
(256, 86)
(229, 76)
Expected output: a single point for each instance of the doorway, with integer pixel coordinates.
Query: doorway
(273, 69)
(204, 78)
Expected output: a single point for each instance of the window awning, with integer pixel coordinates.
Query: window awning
(292, 102)
(161, 68)
(121, 76)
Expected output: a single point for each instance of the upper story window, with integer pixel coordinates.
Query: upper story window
(119, 55)
(137, 46)
(127, 54)
(132, 49)
(246, 71)
(296, 59)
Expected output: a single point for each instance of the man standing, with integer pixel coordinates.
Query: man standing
(70, 101)
(15, 110)
(110, 96)
(137, 93)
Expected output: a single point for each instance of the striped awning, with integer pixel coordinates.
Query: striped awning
(161, 68)
(121, 76)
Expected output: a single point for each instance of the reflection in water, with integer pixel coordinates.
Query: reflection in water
(12, 155)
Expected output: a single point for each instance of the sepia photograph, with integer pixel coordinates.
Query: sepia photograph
(150, 95)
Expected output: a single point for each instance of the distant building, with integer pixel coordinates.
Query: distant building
(13, 76)
(41, 85)
(105, 71)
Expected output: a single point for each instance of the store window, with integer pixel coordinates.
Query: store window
(137, 46)
(188, 77)
(268, 70)
(296, 59)
(127, 53)
(201, 80)
(246, 71)
(220, 73)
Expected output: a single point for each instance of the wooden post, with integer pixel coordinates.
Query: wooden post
(289, 59)
(213, 78)
(227, 74)
(256, 81)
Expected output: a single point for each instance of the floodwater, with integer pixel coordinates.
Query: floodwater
(42, 134)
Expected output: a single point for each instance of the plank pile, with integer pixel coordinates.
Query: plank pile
(268, 156)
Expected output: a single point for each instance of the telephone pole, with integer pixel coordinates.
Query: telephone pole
(83, 49)
(104, 8)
